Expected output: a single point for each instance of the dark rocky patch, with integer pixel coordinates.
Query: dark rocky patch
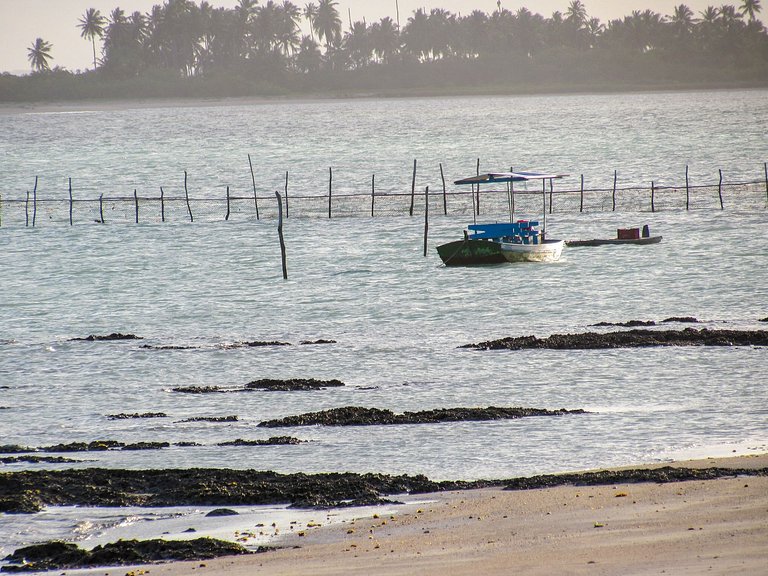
(137, 415)
(146, 446)
(5, 407)
(63, 556)
(37, 460)
(662, 475)
(629, 339)
(167, 347)
(356, 416)
(630, 324)
(321, 341)
(30, 490)
(186, 444)
(95, 446)
(221, 512)
(211, 419)
(198, 389)
(107, 338)
(15, 449)
(682, 320)
(764, 319)
(292, 384)
(273, 441)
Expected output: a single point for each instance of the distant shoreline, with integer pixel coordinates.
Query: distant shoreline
(113, 104)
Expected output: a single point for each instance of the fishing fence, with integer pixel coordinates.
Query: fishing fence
(37, 208)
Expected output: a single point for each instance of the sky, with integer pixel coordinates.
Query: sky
(56, 20)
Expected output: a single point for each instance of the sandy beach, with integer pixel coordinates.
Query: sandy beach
(686, 528)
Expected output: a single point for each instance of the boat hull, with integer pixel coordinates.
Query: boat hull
(471, 253)
(612, 241)
(548, 251)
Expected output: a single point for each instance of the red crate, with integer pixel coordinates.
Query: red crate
(628, 233)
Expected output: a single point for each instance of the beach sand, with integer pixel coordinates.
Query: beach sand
(687, 528)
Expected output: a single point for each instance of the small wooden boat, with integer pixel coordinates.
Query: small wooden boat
(499, 242)
(623, 236)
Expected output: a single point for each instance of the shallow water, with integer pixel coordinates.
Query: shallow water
(397, 317)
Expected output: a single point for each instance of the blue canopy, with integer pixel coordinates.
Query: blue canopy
(495, 177)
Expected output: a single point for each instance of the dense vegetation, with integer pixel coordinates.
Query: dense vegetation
(184, 49)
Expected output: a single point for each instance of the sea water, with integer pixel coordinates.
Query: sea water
(194, 291)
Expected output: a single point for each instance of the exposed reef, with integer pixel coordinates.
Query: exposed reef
(265, 384)
(636, 323)
(357, 416)
(273, 441)
(63, 556)
(137, 415)
(107, 338)
(293, 384)
(629, 339)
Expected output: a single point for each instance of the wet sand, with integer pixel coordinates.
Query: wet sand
(686, 528)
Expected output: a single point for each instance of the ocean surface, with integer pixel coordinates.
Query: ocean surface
(196, 291)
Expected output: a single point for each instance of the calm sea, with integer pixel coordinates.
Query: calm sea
(397, 317)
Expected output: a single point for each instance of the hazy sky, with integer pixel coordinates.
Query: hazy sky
(56, 20)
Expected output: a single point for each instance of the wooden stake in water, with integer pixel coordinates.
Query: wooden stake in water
(286, 194)
(253, 181)
(162, 204)
(136, 203)
(34, 204)
(101, 208)
(373, 192)
(653, 193)
(478, 188)
(687, 190)
(720, 189)
(581, 204)
(615, 177)
(186, 193)
(413, 188)
(445, 201)
(280, 234)
(330, 189)
(26, 211)
(70, 201)
(227, 215)
(426, 219)
(551, 186)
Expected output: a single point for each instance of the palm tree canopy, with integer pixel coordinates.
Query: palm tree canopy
(39, 54)
(92, 24)
(750, 8)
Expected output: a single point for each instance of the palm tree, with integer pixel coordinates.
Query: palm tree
(576, 13)
(39, 54)
(310, 13)
(750, 7)
(328, 23)
(92, 25)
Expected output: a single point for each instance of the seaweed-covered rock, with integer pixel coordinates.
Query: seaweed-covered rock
(211, 419)
(15, 449)
(293, 384)
(123, 416)
(109, 337)
(95, 446)
(357, 416)
(221, 512)
(146, 446)
(37, 459)
(273, 441)
(629, 339)
(198, 389)
(630, 324)
(64, 556)
(682, 320)
(320, 341)
(25, 501)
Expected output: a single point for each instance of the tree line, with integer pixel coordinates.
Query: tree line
(258, 48)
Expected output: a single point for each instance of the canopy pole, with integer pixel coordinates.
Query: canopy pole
(544, 198)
